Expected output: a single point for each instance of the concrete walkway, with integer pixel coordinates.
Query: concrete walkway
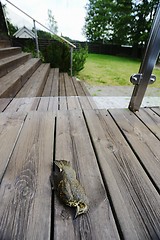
(119, 97)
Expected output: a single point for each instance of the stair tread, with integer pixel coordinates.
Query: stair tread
(11, 51)
(16, 76)
(8, 48)
(8, 64)
(34, 86)
(12, 58)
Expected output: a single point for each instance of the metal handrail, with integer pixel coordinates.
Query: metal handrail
(144, 77)
(63, 39)
(36, 37)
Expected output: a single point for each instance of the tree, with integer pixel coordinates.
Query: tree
(43, 34)
(142, 18)
(98, 25)
(119, 21)
(10, 27)
(51, 22)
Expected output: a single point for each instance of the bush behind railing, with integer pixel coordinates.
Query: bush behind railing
(55, 52)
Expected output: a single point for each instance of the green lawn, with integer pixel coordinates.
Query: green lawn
(111, 70)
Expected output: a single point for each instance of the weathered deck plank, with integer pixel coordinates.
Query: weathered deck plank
(73, 103)
(62, 103)
(35, 85)
(23, 105)
(70, 90)
(43, 104)
(55, 83)
(150, 119)
(4, 103)
(115, 154)
(84, 102)
(48, 85)
(142, 140)
(80, 87)
(25, 193)
(53, 104)
(10, 127)
(62, 90)
(156, 110)
(135, 200)
(73, 144)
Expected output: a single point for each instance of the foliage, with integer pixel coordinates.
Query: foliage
(119, 21)
(44, 34)
(58, 55)
(51, 22)
(11, 28)
(29, 46)
(79, 59)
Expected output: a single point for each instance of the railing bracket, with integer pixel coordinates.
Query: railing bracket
(136, 79)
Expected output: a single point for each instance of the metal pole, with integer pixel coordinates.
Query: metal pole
(36, 38)
(71, 61)
(148, 63)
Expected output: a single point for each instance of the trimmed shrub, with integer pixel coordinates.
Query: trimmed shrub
(58, 55)
(79, 59)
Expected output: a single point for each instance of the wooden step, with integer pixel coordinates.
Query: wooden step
(7, 52)
(10, 63)
(51, 86)
(5, 43)
(35, 85)
(11, 83)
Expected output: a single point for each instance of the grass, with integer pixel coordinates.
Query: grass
(109, 70)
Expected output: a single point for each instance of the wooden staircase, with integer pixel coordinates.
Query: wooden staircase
(22, 76)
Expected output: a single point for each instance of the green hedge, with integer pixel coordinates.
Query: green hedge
(79, 59)
(58, 55)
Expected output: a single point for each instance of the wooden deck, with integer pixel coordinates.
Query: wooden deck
(114, 152)
(47, 115)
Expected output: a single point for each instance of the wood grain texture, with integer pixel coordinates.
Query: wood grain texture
(84, 102)
(53, 104)
(150, 119)
(87, 93)
(92, 102)
(10, 127)
(73, 144)
(25, 193)
(43, 104)
(35, 85)
(23, 105)
(48, 85)
(78, 87)
(10, 63)
(73, 103)
(63, 103)
(62, 90)
(135, 200)
(142, 140)
(12, 82)
(156, 110)
(70, 90)
(55, 83)
(4, 102)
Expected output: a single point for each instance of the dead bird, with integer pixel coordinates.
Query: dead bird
(69, 188)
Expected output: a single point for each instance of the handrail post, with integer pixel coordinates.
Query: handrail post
(71, 66)
(147, 65)
(36, 38)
